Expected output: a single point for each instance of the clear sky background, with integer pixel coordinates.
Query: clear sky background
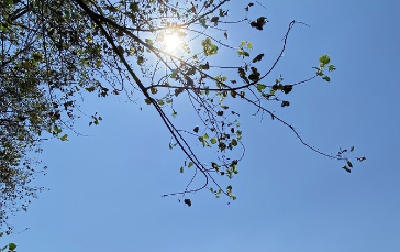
(105, 189)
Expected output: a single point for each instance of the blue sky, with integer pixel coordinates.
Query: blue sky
(105, 188)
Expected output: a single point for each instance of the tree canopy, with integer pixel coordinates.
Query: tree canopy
(152, 52)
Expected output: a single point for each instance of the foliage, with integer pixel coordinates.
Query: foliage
(8, 248)
(53, 52)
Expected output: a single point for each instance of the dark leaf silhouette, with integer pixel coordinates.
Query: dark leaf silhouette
(188, 202)
(259, 24)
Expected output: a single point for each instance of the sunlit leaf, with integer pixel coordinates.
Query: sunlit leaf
(324, 59)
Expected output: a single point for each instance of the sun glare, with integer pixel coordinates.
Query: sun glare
(171, 42)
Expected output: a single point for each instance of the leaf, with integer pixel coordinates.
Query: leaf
(287, 88)
(134, 6)
(64, 137)
(206, 136)
(190, 164)
(215, 166)
(178, 91)
(181, 170)
(325, 59)
(255, 76)
(352, 148)
(12, 246)
(213, 140)
(209, 48)
(258, 58)
(191, 71)
(37, 57)
(205, 66)
(261, 87)
(347, 169)
(222, 146)
(215, 20)
(327, 78)
(361, 159)
(188, 202)
(250, 4)
(234, 142)
(161, 102)
(140, 60)
(349, 164)
(196, 129)
(285, 104)
(259, 24)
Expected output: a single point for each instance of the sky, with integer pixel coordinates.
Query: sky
(105, 189)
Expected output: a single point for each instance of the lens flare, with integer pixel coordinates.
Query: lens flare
(171, 42)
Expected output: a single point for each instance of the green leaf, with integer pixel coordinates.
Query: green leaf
(234, 142)
(134, 6)
(181, 170)
(209, 48)
(215, 166)
(205, 136)
(57, 130)
(325, 59)
(161, 102)
(149, 41)
(190, 164)
(213, 140)
(37, 57)
(261, 87)
(140, 60)
(327, 78)
(12, 246)
(64, 137)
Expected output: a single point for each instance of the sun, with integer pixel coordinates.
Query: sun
(171, 42)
